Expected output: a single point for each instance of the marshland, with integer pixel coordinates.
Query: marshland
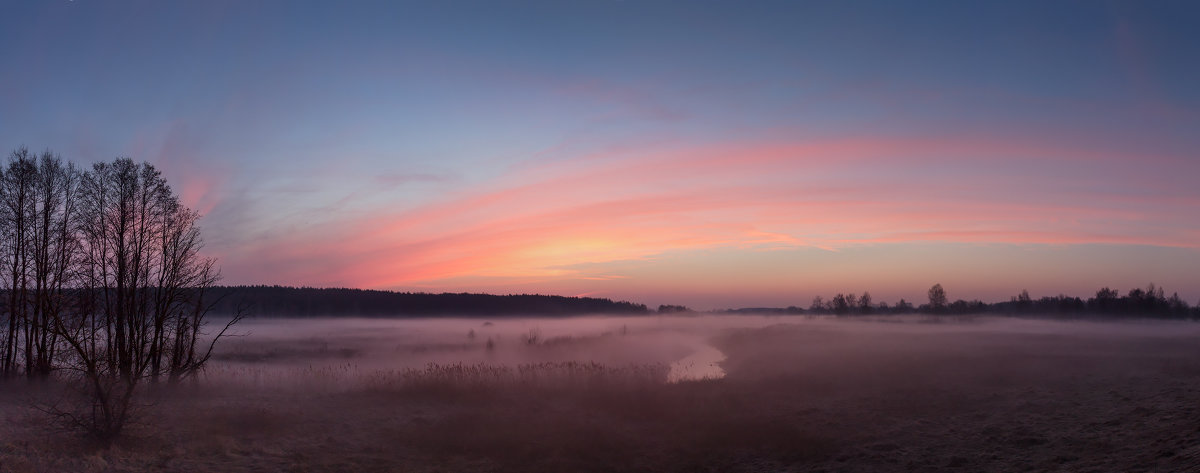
(583, 236)
(772, 393)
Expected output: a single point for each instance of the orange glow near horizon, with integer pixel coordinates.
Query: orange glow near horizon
(547, 222)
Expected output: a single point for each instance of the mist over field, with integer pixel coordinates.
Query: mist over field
(358, 345)
(662, 393)
(527, 236)
(688, 345)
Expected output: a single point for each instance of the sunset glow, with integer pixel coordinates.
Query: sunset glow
(453, 147)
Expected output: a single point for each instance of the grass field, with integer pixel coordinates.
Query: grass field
(914, 394)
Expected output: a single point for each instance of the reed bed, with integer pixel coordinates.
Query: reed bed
(547, 375)
(349, 377)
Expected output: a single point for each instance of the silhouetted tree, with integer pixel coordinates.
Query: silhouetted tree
(1107, 300)
(1023, 302)
(1176, 306)
(937, 298)
(672, 309)
(17, 193)
(864, 303)
(143, 306)
(839, 304)
(966, 307)
(37, 222)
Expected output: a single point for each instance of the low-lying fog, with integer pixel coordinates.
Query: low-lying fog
(337, 353)
(796, 393)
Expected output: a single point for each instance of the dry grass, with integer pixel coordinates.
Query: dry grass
(888, 397)
(450, 379)
(570, 416)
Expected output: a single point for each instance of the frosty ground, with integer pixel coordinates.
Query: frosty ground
(592, 394)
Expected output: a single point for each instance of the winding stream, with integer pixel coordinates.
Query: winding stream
(702, 363)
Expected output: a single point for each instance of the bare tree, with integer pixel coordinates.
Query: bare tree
(17, 192)
(937, 298)
(103, 282)
(839, 304)
(142, 307)
(53, 249)
(818, 304)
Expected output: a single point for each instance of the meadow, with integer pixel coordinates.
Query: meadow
(658, 393)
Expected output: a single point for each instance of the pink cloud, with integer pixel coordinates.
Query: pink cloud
(174, 149)
(540, 222)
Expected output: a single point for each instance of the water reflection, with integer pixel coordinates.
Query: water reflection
(702, 364)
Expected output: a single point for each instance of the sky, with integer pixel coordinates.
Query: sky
(708, 153)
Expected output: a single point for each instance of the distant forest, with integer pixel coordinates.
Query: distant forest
(283, 301)
(1137, 302)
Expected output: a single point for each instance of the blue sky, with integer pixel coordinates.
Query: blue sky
(614, 147)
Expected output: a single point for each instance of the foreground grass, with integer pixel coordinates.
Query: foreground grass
(796, 399)
(534, 417)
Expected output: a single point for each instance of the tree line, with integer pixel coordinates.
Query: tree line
(101, 280)
(1150, 301)
(285, 301)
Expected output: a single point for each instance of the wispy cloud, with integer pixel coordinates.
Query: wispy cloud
(539, 222)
